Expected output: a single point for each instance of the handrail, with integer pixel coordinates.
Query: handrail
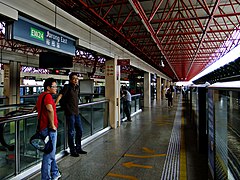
(36, 95)
(93, 103)
(16, 118)
(29, 95)
(14, 105)
(135, 95)
(28, 115)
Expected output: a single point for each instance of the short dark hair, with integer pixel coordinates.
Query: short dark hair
(124, 88)
(48, 82)
(72, 74)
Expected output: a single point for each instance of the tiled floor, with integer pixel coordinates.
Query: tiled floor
(135, 151)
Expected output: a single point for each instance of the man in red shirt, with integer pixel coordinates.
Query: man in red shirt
(48, 124)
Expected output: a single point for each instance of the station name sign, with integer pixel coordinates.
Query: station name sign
(33, 33)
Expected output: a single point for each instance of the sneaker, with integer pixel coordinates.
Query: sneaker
(74, 154)
(59, 176)
(82, 152)
(66, 153)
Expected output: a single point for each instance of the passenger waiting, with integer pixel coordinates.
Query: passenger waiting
(127, 98)
(70, 93)
(169, 97)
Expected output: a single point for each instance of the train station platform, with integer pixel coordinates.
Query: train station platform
(159, 143)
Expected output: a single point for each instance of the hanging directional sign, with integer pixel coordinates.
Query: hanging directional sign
(123, 62)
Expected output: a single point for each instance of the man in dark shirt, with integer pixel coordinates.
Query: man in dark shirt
(127, 98)
(70, 93)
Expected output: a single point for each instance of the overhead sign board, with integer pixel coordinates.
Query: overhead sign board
(33, 33)
(123, 62)
(60, 71)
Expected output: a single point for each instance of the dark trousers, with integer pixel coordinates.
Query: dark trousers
(127, 109)
(170, 102)
(75, 129)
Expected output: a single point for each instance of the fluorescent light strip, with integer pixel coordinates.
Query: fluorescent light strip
(229, 57)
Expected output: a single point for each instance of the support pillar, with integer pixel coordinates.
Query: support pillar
(164, 87)
(112, 91)
(159, 89)
(12, 82)
(147, 89)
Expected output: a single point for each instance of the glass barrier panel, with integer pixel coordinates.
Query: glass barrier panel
(194, 113)
(28, 99)
(28, 154)
(137, 103)
(221, 157)
(99, 117)
(122, 114)
(133, 104)
(86, 119)
(2, 100)
(60, 132)
(1, 90)
(7, 149)
(233, 133)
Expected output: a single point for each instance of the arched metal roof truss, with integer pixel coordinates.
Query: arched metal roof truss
(187, 35)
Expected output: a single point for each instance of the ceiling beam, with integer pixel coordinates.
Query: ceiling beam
(204, 34)
(139, 10)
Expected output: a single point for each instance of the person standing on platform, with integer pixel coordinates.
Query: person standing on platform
(127, 98)
(70, 94)
(169, 97)
(48, 125)
(172, 90)
(183, 91)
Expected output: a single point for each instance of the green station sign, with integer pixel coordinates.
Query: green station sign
(35, 33)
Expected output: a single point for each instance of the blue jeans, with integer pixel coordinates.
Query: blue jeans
(49, 168)
(74, 124)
